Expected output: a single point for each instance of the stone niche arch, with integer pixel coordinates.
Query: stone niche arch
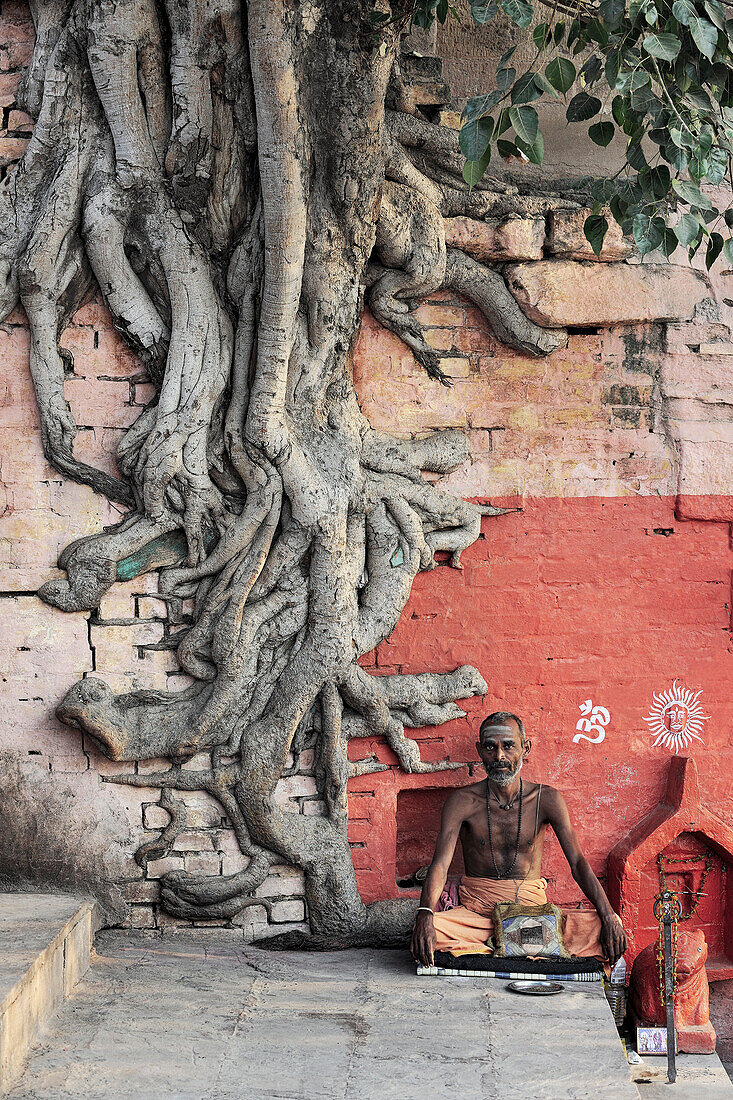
(680, 826)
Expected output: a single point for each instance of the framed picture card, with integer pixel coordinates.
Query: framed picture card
(651, 1040)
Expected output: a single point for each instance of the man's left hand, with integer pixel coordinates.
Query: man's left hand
(613, 938)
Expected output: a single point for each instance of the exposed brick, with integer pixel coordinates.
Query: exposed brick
(284, 911)
(194, 842)
(156, 868)
(141, 916)
(155, 817)
(203, 863)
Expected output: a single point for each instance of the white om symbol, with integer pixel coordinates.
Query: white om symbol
(596, 720)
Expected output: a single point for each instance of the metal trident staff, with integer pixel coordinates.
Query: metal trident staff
(667, 909)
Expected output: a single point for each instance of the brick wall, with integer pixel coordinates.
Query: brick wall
(613, 581)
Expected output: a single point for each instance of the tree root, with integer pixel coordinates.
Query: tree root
(223, 173)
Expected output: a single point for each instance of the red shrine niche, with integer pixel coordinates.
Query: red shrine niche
(688, 847)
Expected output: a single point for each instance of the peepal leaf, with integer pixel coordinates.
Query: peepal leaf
(480, 105)
(687, 229)
(704, 35)
(602, 133)
(689, 192)
(519, 11)
(595, 228)
(473, 170)
(561, 74)
(664, 46)
(474, 137)
(525, 122)
(582, 106)
(483, 11)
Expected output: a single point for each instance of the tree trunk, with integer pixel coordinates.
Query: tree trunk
(230, 181)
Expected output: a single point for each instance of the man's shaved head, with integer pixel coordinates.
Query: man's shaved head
(500, 718)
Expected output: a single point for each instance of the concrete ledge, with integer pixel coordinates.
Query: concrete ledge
(698, 1076)
(47, 943)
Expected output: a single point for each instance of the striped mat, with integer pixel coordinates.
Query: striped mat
(537, 970)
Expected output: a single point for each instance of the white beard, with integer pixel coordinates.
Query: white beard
(503, 779)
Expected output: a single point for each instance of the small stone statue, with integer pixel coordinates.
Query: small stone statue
(695, 1033)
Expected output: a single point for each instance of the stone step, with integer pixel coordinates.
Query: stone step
(46, 949)
(699, 1077)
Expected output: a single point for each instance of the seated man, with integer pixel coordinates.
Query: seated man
(501, 822)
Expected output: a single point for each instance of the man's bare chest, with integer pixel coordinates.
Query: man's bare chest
(508, 828)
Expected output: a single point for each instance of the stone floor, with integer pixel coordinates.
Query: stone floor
(209, 1019)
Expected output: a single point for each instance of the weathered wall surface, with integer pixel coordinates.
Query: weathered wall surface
(612, 583)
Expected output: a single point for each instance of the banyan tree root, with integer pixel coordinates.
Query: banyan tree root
(227, 178)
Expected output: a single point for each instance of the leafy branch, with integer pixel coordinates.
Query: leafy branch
(658, 74)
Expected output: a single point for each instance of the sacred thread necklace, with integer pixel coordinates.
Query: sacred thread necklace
(510, 868)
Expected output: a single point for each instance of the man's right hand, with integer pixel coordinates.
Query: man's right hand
(423, 939)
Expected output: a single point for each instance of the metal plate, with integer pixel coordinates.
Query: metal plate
(536, 989)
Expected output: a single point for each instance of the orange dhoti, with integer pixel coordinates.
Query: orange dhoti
(467, 929)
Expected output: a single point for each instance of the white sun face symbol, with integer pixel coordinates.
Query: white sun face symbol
(676, 718)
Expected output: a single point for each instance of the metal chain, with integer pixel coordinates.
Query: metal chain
(675, 912)
(510, 868)
(681, 860)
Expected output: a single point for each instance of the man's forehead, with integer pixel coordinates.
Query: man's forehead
(499, 730)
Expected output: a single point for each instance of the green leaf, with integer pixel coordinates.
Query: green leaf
(525, 123)
(664, 46)
(688, 192)
(728, 250)
(684, 12)
(651, 15)
(670, 243)
(612, 11)
(632, 81)
(597, 32)
(561, 74)
(611, 68)
(595, 228)
(716, 11)
(483, 11)
(705, 36)
(698, 98)
(508, 150)
(687, 230)
(480, 105)
(505, 78)
(534, 152)
(582, 107)
(542, 82)
(717, 165)
(519, 11)
(715, 247)
(602, 133)
(473, 170)
(591, 71)
(618, 207)
(526, 90)
(503, 123)
(648, 233)
(474, 137)
(659, 179)
(539, 35)
(635, 156)
(506, 57)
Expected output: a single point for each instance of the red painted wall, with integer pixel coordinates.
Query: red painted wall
(604, 598)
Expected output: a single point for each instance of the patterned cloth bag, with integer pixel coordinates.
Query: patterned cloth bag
(528, 931)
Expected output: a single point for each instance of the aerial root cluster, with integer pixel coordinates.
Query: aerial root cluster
(227, 178)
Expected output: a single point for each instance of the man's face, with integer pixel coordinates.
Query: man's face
(501, 751)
